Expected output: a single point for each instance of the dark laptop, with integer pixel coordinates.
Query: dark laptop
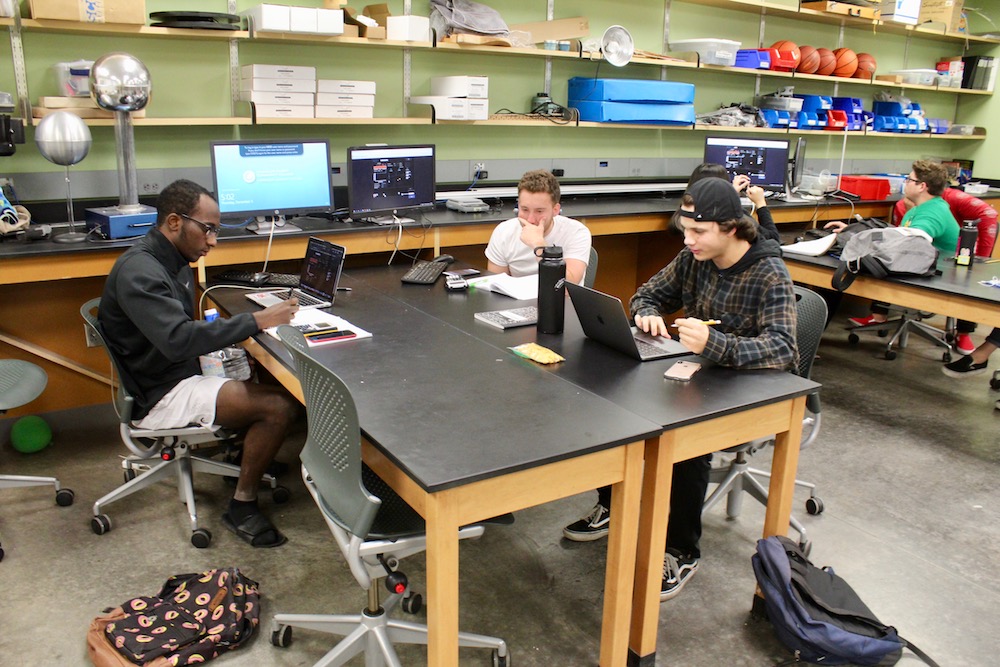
(318, 279)
(603, 318)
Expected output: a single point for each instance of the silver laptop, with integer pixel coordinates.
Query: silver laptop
(318, 279)
(603, 318)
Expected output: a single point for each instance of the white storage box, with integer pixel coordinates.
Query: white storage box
(278, 72)
(344, 100)
(710, 51)
(279, 85)
(267, 97)
(327, 111)
(345, 86)
(445, 108)
(461, 86)
(408, 28)
(283, 111)
(330, 21)
(479, 109)
(302, 19)
(919, 77)
(269, 18)
(901, 11)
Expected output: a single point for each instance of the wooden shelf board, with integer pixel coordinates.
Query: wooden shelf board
(173, 122)
(343, 121)
(123, 30)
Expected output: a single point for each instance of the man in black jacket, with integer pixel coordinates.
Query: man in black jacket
(147, 317)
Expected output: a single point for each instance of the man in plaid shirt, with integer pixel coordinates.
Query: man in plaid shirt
(724, 273)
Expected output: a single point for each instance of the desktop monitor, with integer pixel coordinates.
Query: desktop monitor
(765, 161)
(389, 179)
(271, 179)
(798, 166)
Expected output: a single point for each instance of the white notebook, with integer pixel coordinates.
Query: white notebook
(525, 287)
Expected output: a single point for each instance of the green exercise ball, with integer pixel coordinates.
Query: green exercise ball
(30, 434)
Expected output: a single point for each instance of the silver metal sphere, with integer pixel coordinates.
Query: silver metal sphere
(63, 138)
(120, 82)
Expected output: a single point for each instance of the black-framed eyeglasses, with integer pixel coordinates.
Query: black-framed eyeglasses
(210, 230)
(913, 180)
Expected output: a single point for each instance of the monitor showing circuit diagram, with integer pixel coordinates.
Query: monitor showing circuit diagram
(765, 161)
(389, 180)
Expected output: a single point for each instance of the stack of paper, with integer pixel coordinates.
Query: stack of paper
(315, 319)
(525, 287)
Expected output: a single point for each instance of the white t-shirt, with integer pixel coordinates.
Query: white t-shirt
(506, 249)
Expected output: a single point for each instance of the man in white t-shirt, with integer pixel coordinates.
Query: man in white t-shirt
(538, 224)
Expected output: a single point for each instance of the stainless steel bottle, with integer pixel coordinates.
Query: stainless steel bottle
(551, 289)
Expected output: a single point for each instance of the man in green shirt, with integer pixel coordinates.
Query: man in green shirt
(930, 213)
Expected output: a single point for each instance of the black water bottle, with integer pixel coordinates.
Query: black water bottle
(967, 239)
(551, 289)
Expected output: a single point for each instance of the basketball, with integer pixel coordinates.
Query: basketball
(866, 66)
(847, 62)
(808, 60)
(827, 61)
(792, 48)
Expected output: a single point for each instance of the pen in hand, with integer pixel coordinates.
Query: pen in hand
(705, 322)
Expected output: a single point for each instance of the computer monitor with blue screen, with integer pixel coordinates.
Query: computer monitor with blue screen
(765, 161)
(271, 179)
(384, 181)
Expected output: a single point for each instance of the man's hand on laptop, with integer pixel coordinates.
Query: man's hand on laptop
(693, 333)
(652, 324)
(279, 313)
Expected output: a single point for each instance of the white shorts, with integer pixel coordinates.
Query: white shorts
(191, 401)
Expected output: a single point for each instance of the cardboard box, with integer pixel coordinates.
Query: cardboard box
(408, 28)
(91, 11)
(556, 29)
(479, 109)
(948, 12)
(380, 13)
(284, 111)
(344, 100)
(901, 11)
(330, 21)
(268, 18)
(445, 108)
(302, 19)
(327, 111)
(278, 85)
(278, 72)
(844, 8)
(267, 97)
(461, 86)
(345, 86)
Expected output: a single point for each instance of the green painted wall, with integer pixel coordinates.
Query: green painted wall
(191, 78)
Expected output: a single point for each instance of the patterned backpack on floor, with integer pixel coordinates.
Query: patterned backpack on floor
(194, 618)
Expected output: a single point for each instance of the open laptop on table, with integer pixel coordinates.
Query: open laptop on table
(318, 279)
(603, 318)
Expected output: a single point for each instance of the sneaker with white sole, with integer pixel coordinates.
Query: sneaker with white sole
(677, 571)
(964, 344)
(964, 367)
(591, 527)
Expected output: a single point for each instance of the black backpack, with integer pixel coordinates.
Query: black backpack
(817, 615)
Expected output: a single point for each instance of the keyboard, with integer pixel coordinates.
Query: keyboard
(238, 277)
(424, 273)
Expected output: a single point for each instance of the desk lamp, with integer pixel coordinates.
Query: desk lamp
(64, 139)
(119, 82)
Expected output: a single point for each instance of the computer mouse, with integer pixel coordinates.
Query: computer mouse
(447, 259)
(259, 278)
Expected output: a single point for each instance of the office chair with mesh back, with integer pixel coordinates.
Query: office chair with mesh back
(909, 321)
(158, 454)
(738, 476)
(591, 274)
(371, 524)
(20, 383)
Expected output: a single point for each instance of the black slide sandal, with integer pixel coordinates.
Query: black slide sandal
(255, 531)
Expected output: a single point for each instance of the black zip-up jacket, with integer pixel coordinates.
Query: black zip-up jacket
(147, 318)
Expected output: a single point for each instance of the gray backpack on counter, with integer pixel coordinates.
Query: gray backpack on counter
(884, 252)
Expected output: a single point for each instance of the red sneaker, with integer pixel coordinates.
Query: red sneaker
(862, 321)
(964, 344)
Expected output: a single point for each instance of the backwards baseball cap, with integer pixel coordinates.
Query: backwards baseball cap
(715, 200)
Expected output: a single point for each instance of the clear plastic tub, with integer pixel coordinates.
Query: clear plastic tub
(74, 78)
(920, 77)
(710, 51)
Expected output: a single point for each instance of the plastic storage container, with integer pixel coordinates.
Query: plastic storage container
(74, 78)
(919, 77)
(865, 187)
(710, 51)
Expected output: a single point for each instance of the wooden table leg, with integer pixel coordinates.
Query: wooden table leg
(784, 465)
(442, 580)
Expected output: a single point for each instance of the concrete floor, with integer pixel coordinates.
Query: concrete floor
(907, 464)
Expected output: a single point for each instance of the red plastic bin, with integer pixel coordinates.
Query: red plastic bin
(866, 187)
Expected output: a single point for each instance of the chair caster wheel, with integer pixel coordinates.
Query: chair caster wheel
(412, 604)
(65, 497)
(501, 660)
(890, 354)
(806, 546)
(995, 384)
(853, 339)
(280, 495)
(946, 357)
(129, 475)
(201, 538)
(1, 553)
(282, 637)
(814, 505)
(100, 524)
(882, 333)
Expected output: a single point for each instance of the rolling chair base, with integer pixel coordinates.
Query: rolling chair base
(904, 326)
(64, 497)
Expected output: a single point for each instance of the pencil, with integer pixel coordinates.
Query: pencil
(705, 322)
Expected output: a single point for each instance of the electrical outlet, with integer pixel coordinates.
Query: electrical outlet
(479, 172)
(150, 188)
(91, 336)
(479, 166)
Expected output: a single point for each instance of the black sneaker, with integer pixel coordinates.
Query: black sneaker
(677, 571)
(964, 367)
(592, 527)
